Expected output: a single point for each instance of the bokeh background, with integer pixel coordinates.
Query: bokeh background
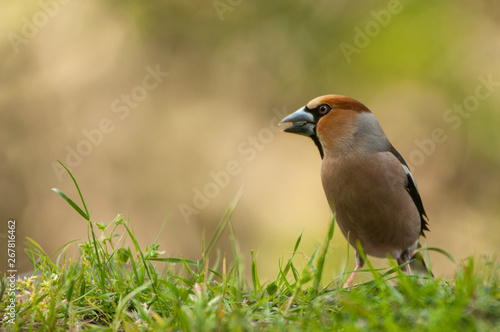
(225, 72)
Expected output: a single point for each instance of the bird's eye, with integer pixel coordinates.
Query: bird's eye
(323, 109)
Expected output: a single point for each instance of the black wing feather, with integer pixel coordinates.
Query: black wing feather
(411, 187)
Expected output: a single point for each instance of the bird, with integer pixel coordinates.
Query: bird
(367, 183)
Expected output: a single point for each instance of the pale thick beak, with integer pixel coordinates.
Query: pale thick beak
(302, 123)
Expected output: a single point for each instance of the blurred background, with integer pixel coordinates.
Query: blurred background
(163, 110)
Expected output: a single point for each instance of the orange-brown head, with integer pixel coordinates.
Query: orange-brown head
(338, 125)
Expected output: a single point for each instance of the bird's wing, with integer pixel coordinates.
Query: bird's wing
(412, 189)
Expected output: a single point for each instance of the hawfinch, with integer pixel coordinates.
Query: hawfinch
(366, 181)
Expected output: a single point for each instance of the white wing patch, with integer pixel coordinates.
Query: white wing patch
(408, 173)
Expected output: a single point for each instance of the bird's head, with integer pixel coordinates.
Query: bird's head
(332, 122)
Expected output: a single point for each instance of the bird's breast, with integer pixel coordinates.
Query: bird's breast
(368, 195)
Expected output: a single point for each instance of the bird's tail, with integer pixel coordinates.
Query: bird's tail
(418, 265)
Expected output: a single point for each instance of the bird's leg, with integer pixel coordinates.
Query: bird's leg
(405, 258)
(359, 265)
(408, 269)
(353, 275)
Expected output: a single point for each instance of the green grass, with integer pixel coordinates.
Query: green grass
(116, 287)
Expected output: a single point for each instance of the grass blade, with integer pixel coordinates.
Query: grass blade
(85, 214)
(124, 302)
(322, 257)
(222, 225)
(255, 277)
(73, 204)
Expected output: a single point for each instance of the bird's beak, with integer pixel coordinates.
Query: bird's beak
(302, 123)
